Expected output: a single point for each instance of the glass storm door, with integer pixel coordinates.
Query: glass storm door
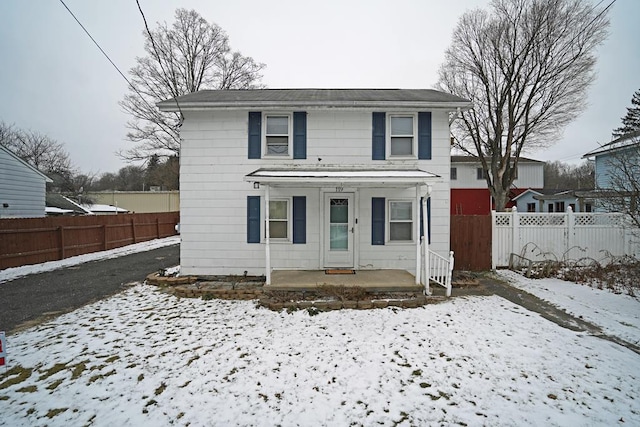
(338, 245)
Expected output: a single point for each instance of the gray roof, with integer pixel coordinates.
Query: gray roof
(349, 98)
(625, 141)
(57, 200)
(472, 159)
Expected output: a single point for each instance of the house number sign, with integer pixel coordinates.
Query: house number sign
(339, 189)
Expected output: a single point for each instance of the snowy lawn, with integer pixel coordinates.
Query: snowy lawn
(147, 358)
(616, 314)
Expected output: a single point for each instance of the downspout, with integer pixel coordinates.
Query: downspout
(425, 240)
(417, 236)
(267, 248)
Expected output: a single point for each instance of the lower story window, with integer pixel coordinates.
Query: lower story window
(279, 219)
(531, 207)
(400, 221)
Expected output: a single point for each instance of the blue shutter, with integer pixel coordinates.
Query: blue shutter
(424, 135)
(300, 219)
(377, 220)
(428, 218)
(255, 134)
(253, 219)
(378, 136)
(299, 135)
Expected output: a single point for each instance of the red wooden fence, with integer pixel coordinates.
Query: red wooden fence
(471, 242)
(34, 240)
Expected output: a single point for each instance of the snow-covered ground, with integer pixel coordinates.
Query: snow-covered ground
(144, 357)
(617, 315)
(14, 273)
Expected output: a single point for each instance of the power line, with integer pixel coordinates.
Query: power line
(105, 54)
(156, 50)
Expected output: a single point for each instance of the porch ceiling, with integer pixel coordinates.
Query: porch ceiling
(318, 177)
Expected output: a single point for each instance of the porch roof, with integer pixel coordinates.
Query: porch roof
(314, 177)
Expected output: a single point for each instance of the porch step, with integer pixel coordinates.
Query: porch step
(369, 289)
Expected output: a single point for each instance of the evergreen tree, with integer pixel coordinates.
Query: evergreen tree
(631, 121)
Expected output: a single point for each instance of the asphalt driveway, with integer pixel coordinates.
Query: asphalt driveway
(31, 299)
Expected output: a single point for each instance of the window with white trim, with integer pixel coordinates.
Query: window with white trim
(402, 130)
(277, 136)
(400, 220)
(454, 173)
(279, 214)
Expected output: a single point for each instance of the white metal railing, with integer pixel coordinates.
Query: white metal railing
(440, 271)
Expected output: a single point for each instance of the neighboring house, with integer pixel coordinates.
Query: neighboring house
(620, 154)
(552, 200)
(469, 192)
(139, 201)
(310, 179)
(57, 205)
(22, 187)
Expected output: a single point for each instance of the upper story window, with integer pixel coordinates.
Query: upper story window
(454, 173)
(401, 135)
(480, 173)
(277, 135)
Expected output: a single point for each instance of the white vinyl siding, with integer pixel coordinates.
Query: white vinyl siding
(213, 193)
(22, 189)
(529, 175)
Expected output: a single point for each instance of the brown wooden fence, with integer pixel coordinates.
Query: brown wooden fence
(471, 242)
(34, 240)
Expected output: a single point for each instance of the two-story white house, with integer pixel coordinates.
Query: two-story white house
(312, 179)
(469, 192)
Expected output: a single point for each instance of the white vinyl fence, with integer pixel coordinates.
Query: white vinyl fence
(565, 236)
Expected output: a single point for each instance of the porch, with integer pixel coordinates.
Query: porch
(373, 281)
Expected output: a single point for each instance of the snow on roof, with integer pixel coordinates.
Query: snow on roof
(624, 141)
(105, 208)
(54, 210)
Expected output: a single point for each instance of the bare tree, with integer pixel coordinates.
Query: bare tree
(190, 55)
(564, 176)
(526, 65)
(7, 134)
(40, 151)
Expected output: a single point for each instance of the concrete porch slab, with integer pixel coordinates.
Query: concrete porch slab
(372, 280)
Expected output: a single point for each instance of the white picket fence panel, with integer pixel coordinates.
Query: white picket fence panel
(561, 236)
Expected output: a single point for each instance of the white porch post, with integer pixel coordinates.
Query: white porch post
(425, 239)
(417, 235)
(267, 249)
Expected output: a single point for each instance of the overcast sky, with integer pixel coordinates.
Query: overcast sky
(54, 80)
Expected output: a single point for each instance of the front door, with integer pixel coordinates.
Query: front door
(338, 230)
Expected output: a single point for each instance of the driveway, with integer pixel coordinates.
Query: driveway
(37, 297)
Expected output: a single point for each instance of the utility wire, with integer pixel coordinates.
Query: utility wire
(107, 56)
(157, 52)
